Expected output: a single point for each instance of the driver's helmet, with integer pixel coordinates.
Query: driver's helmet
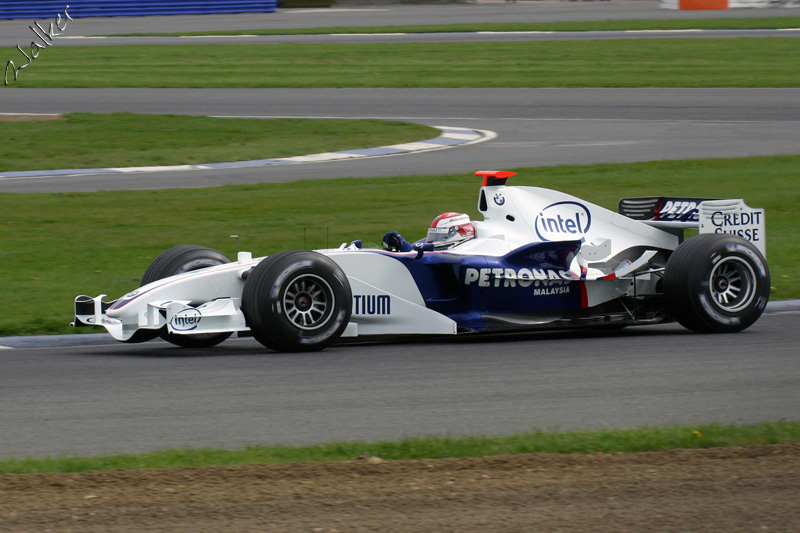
(449, 229)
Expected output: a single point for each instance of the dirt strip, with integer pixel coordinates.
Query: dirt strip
(721, 489)
(28, 118)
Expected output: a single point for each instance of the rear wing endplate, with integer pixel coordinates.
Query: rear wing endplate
(707, 215)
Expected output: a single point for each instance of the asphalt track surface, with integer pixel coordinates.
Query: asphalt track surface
(116, 398)
(119, 398)
(13, 32)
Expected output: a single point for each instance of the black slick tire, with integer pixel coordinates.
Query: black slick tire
(297, 301)
(177, 260)
(716, 283)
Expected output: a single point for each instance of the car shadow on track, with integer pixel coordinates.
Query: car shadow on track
(249, 347)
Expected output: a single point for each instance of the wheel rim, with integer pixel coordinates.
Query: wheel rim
(308, 301)
(733, 284)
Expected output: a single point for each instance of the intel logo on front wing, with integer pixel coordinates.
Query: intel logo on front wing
(563, 221)
(186, 319)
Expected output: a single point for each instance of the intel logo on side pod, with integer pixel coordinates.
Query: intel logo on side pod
(563, 221)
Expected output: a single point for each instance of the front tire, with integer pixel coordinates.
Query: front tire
(177, 260)
(297, 301)
(716, 283)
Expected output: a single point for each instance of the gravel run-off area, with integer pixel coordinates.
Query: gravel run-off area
(755, 488)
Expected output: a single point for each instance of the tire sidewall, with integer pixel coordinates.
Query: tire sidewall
(181, 259)
(265, 294)
(688, 283)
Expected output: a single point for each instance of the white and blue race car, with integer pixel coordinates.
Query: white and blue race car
(540, 259)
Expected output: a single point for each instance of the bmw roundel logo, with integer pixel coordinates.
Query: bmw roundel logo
(498, 198)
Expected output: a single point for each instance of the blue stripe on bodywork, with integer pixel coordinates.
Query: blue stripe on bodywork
(441, 278)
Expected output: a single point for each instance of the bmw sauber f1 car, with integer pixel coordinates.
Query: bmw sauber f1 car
(540, 259)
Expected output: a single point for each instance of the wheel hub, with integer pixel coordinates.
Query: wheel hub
(303, 302)
(308, 301)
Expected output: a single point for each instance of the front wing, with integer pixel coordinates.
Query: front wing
(217, 316)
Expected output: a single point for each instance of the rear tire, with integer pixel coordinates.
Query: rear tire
(177, 260)
(297, 301)
(716, 283)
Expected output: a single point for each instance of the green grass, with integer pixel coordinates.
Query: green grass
(56, 246)
(587, 442)
(743, 62)
(82, 140)
(599, 25)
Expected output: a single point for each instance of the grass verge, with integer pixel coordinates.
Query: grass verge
(84, 140)
(749, 23)
(742, 62)
(602, 441)
(56, 246)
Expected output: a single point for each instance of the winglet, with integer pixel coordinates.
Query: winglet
(495, 177)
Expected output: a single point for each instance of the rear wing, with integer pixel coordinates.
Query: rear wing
(663, 211)
(707, 215)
